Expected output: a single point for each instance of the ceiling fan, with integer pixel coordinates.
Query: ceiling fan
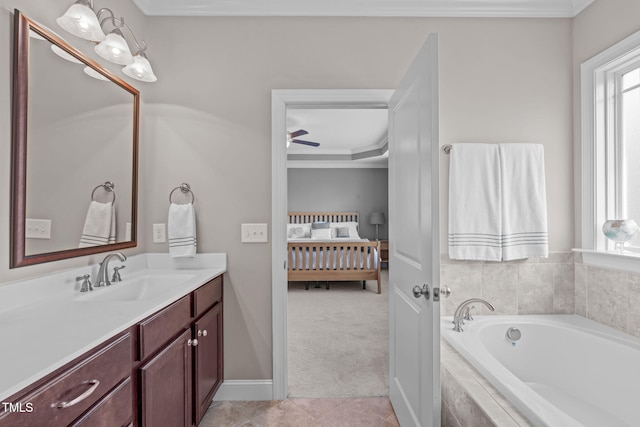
(295, 134)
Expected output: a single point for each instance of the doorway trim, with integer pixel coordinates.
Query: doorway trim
(280, 101)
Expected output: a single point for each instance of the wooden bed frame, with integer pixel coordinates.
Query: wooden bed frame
(346, 261)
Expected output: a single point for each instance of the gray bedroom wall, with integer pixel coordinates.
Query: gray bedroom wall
(338, 190)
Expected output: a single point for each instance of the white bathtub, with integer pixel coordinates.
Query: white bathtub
(565, 370)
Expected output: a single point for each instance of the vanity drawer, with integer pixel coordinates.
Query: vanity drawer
(69, 394)
(114, 410)
(206, 296)
(163, 326)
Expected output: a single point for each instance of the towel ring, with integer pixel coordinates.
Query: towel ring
(185, 188)
(107, 186)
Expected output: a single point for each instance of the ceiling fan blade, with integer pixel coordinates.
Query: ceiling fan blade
(298, 133)
(299, 141)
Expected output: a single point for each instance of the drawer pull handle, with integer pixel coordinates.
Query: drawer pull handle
(202, 333)
(192, 343)
(83, 396)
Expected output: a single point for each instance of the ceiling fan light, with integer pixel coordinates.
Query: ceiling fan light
(140, 69)
(114, 48)
(81, 21)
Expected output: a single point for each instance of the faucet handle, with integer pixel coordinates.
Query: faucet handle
(467, 313)
(116, 273)
(86, 283)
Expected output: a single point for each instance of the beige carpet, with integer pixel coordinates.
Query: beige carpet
(338, 340)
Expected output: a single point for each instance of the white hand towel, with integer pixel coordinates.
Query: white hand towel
(112, 231)
(97, 225)
(474, 203)
(524, 201)
(182, 231)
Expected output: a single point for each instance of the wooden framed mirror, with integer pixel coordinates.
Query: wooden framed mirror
(71, 135)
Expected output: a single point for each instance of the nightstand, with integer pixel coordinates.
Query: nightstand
(384, 251)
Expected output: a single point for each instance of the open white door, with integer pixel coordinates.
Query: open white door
(414, 239)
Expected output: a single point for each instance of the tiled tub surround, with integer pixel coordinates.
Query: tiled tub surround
(554, 374)
(532, 286)
(66, 329)
(468, 399)
(608, 296)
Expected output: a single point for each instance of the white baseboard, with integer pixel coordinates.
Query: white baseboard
(245, 390)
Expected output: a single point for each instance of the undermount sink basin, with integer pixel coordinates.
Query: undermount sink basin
(144, 287)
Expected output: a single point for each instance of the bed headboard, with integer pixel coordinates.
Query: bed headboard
(307, 217)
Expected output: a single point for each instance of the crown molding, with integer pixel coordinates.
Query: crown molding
(372, 8)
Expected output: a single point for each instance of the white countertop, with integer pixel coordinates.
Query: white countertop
(43, 326)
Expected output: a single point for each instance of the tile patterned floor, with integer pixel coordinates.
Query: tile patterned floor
(301, 412)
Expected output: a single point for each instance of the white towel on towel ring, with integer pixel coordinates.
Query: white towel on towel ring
(182, 231)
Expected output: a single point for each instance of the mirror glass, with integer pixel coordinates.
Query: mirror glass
(75, 145)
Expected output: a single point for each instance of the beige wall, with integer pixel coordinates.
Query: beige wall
(598, 27)
(207, 121)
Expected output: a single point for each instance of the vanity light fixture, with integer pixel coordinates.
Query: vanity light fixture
(81, 21)
(140, 69)
(113, 46)
(96, 75)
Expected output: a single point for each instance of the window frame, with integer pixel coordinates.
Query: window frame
(598, 79)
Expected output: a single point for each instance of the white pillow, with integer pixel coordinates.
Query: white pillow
(298, 231)
(321, 233)
(351, 225)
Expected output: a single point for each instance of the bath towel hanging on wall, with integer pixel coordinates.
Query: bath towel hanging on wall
(497, 202)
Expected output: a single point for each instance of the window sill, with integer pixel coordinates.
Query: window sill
(626, 261)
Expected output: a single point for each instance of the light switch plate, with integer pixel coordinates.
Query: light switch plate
(38, 229)
(159, 233)
(254, 233)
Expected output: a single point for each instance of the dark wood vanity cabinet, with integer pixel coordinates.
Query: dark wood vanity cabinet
(93, 390)
(208, 359)
(162, 371)
(166, 385)
(181, 353)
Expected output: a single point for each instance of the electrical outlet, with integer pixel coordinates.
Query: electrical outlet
(38, 229)
(159, 233)
(254, 233)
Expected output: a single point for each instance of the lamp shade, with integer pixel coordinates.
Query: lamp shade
(96, 75)
(114, 48)
(140, 69)
(81, 21)
(377, 218)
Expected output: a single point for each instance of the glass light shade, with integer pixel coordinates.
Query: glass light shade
(64, 54)
(96, 75)
(81, 21)
(140, 69)
(115, 49)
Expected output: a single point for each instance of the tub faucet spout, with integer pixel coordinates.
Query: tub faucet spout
(458, 316)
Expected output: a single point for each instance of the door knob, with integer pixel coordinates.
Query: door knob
(419, 291)
(202, 333)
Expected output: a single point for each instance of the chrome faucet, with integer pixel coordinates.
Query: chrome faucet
(103, 272)
(463, 311)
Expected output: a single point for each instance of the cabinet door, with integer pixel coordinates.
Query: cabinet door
(208, 359)
(165, 383)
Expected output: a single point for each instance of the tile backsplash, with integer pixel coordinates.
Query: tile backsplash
(532, 286)
(558, 284)
(611, 297)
